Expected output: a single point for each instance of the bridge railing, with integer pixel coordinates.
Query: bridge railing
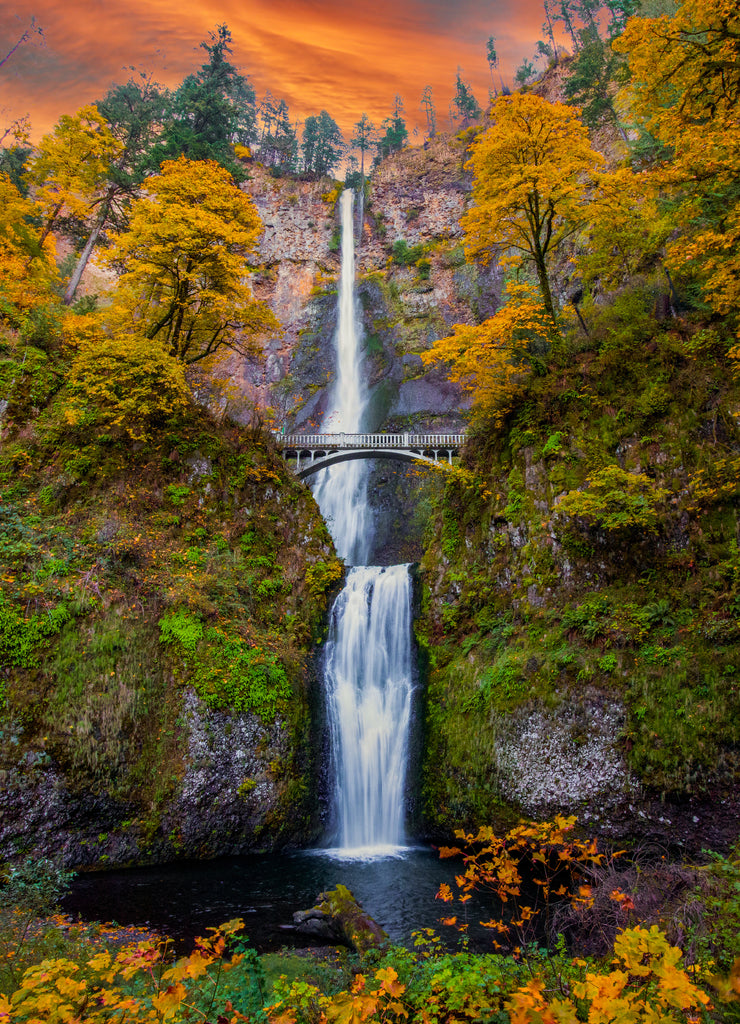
(338, 440)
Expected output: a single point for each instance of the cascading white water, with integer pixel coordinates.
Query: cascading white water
(368, 676)
(368, 665)
(341, 491)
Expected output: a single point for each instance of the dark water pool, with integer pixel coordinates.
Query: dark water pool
(185, 899)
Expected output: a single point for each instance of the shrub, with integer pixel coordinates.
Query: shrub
(616, 501)
(127, 381)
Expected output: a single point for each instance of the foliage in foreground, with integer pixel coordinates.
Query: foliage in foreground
(86, 974)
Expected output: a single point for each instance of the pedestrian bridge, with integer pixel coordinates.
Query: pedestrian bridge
(309, 453)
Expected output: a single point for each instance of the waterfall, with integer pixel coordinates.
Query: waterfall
(367, 664)
(341, 492)
(368, 678)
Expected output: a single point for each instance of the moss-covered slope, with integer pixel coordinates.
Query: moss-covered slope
(159, 604)
(582, 591)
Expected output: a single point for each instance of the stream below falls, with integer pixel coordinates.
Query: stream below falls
(183, 900)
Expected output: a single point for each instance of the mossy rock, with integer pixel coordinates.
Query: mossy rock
(338, 917)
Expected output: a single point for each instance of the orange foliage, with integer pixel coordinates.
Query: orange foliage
(491, 360)
(27, 268)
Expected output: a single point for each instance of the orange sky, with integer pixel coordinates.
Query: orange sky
(345, 57)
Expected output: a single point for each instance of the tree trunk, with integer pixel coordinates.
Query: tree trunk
(539, 262)
(74, 281)
(49, 224)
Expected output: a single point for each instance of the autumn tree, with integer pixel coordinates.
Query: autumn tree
(626, 229)
(529, 184)
(27, 266)
(686, 93)
(493, 360)
(183, 264)
(134, 113)
(69, 174)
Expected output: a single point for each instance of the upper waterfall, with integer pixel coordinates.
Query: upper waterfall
(341, 491)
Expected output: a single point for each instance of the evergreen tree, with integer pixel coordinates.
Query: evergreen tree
(322, 145)
(278, 139)
(524, 72)
(491, 54)
(428, 104)
(362, 139)
(396, 134)
(13, 164)
(591, 76)
(212, 110)
(464, 100)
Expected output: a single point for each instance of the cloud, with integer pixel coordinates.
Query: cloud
(346, 57)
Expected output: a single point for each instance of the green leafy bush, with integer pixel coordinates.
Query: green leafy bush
(21, 638)
(183, 628)
(615, 500)
(404, 255)
(235, 673)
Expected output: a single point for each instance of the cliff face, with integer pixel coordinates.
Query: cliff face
(409, 297)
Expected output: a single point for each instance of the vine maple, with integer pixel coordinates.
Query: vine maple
(492, 360)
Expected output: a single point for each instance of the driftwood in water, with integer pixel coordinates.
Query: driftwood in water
(338, 917)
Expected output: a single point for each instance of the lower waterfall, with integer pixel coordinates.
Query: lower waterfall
(369, 682)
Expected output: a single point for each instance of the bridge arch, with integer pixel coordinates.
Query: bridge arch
(332, 458)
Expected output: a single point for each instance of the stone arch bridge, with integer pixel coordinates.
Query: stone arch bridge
(310, 453)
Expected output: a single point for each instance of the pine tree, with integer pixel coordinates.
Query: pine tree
(467, 106)
(322, 144)
(396, 134)
(428, 104)
(213, 110)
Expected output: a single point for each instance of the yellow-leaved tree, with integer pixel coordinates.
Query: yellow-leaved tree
(626, 228)
(686, 92)
(493, 360)
(531, 170)
(27, 267)
(124, 383)
(184, 264)
(69, 171)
